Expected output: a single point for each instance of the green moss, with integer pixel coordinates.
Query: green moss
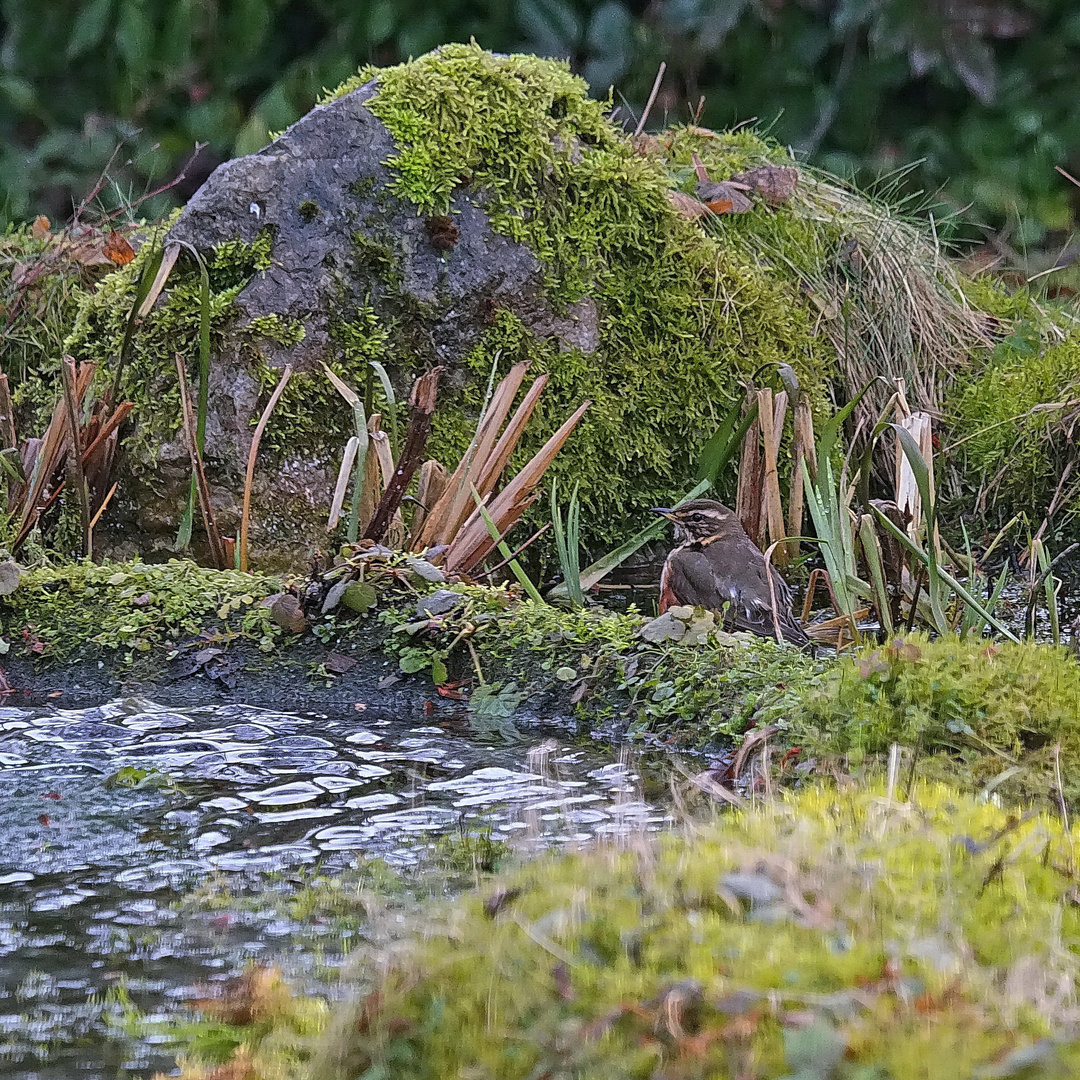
(974, 711)
(133, 607)
(679, 693)
(149, 377)
(841, 935)
(309, 210)
(681, 320)
(311, 413)
(40, 293)
(1012, 420)
(280, 330)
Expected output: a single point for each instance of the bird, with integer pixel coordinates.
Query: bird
(716, 565)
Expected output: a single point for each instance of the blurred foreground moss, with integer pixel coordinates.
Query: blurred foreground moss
(834, 934)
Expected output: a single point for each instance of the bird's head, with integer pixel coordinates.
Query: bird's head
(698, 519)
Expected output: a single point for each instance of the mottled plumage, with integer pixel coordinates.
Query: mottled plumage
(716, 563)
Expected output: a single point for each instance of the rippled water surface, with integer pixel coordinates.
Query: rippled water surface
(91, 870)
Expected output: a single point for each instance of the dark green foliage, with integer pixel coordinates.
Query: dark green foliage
(983, 95)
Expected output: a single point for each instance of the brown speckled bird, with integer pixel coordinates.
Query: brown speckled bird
(716, 563)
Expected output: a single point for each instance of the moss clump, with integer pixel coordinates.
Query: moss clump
(1013, 422)
(832, 935)
(681, 318)
(59, 610)
(310, 415)
(973, 710)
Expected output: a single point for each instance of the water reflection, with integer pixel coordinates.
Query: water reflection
(90, 871)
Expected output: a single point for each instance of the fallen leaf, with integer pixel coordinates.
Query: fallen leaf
(44, 819)
(54, 795)
(338, 663)
(359, 707)
(387, 681)
(118, 250)
(40, 229)
(722, 198)
(450, 690)
(285, 611)
(687, 205)
(776, 184)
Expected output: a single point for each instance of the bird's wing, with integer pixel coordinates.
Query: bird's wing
(746, 590)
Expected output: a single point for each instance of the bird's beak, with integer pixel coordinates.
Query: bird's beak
(663, 511)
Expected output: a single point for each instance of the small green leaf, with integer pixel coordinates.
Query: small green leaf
(439, 673)
(359, 596)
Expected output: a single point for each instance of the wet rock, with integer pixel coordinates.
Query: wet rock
(439, 602)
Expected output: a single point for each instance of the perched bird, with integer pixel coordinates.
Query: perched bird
(716, 563)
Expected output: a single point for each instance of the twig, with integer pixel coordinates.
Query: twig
(517, 551)
(67, 372)
(104, 502)
(249, 477)
(412, 453)
(652, 98)
(772, 591)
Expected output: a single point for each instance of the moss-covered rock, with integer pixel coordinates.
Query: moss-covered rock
(835, 934)
(474, 210)
(976, 712)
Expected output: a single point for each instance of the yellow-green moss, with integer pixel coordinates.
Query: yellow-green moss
(681, 320)
(973, 709)
(132, 607)
(839, 935)
(1011, 421)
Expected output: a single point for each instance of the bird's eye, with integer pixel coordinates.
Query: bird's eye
(696, 517)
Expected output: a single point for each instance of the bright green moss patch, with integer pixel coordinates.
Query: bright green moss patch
(831, 935)
(974, 711)
(1013, 422)
(131, 607)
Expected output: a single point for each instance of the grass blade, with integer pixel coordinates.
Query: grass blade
(249, 477)
(504, 550)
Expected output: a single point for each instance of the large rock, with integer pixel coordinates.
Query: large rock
(322, 191)
(467, 210)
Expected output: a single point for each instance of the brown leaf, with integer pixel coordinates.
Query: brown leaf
(724, 198)
(776, 184)
(450, 690)
(118, 250)
(285, 611)
(338, 663)
(40, 229)
(687, 205)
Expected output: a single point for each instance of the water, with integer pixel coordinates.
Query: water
(91, 872)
